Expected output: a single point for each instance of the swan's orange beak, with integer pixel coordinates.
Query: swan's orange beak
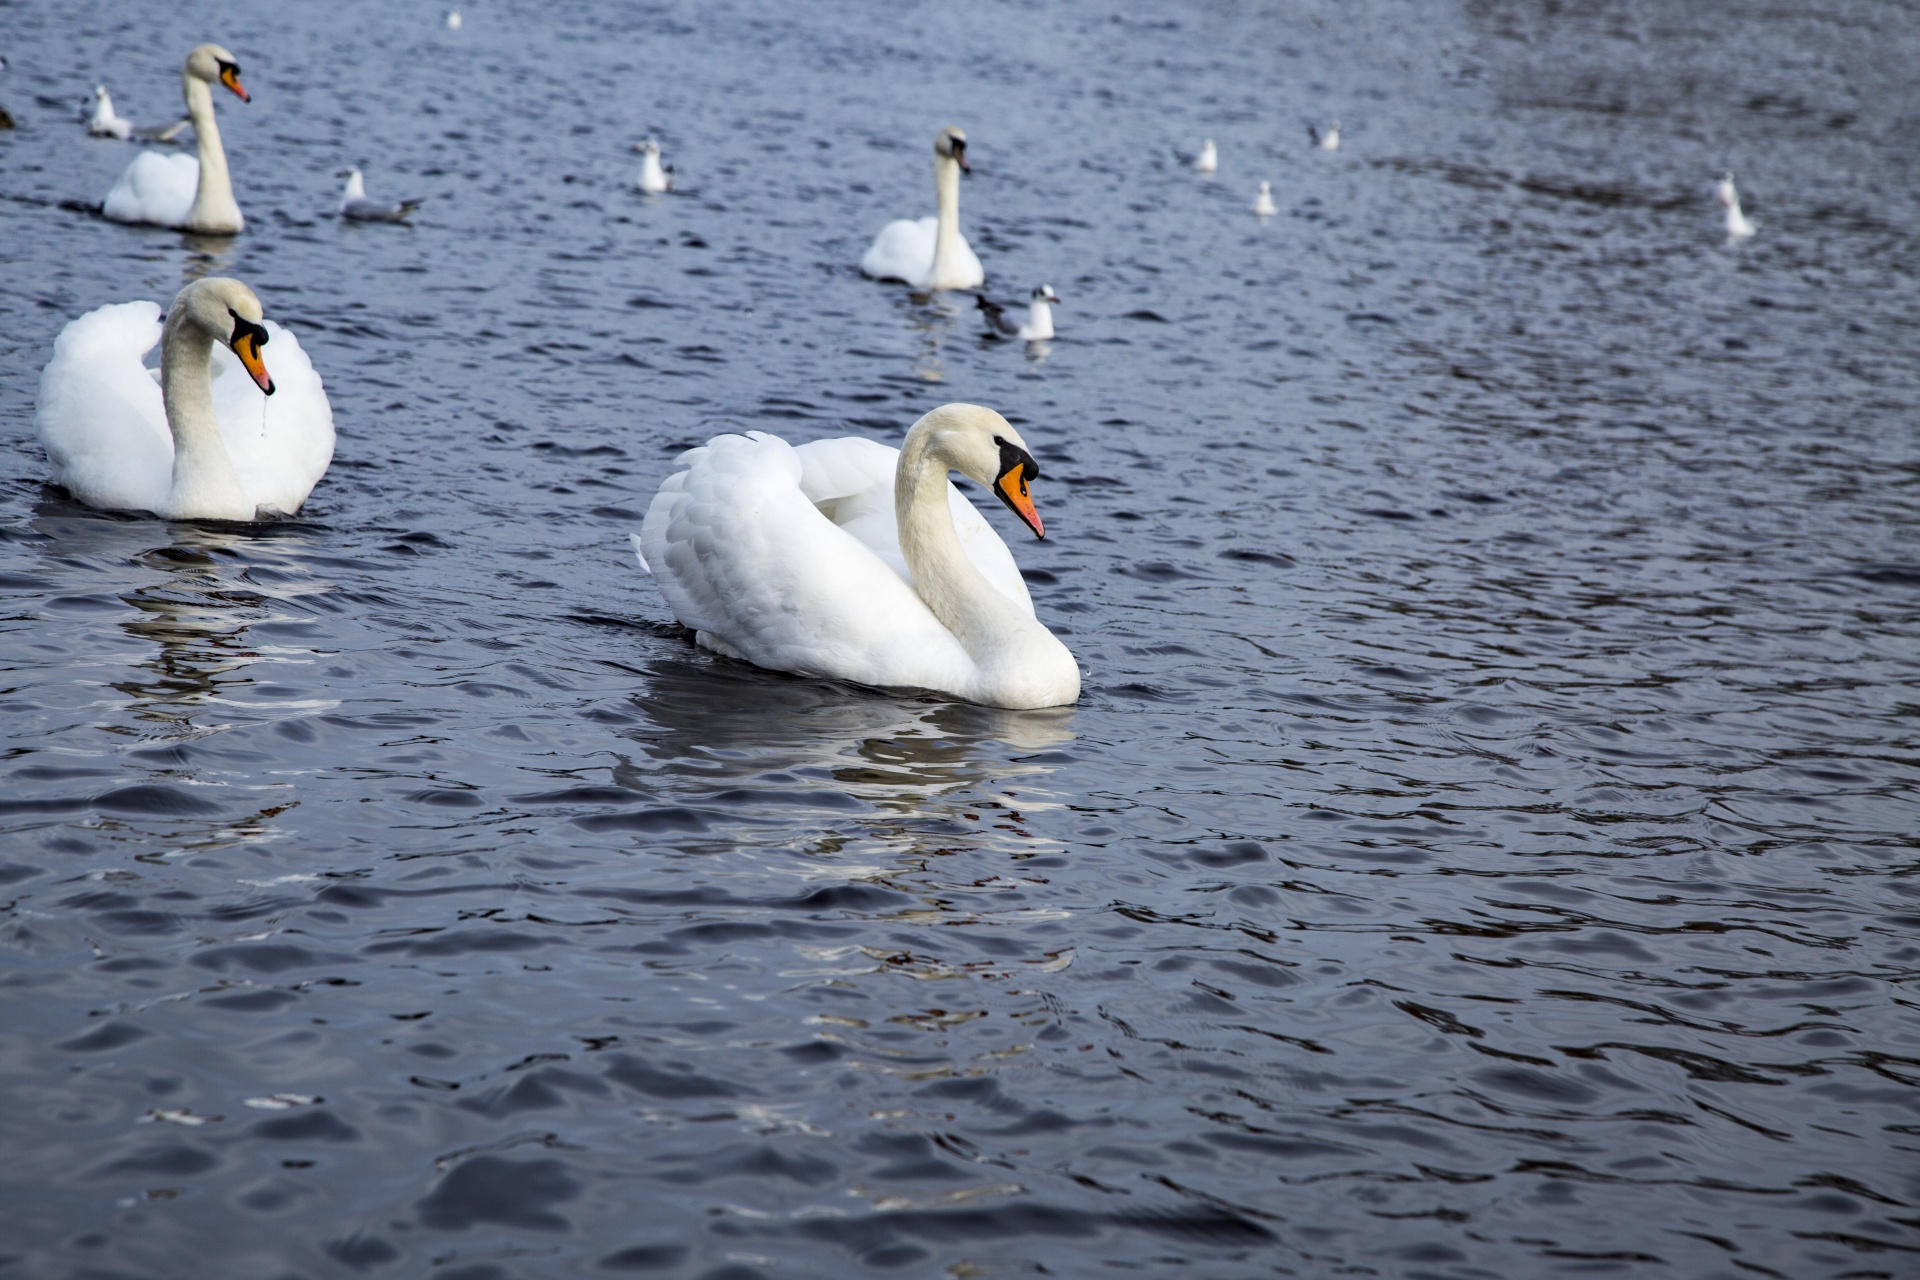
(247, 340)
(1012, 488)
(230, 77)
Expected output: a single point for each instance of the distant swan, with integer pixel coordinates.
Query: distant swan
(930, 253)
(355, 205)
(1263, 201)
(194, 194)
(1327, 141)
(201, 444)
(654, 177)
(1738, 227)
(1209, 158)
(1035, 324)
(844, 559)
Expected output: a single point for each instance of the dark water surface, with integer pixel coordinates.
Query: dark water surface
(1486, 845)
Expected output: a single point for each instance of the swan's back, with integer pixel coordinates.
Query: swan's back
(280, 445)
(155, 188)
(100, 416)
(902, 251)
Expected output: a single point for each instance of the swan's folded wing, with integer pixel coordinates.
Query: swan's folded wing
(280, 444)
(100, 414)
(741, 553)
(902, 251)
(155, 188)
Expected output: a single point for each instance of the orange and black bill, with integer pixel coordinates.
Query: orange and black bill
(1016, 468)
(230, 77)
(246, 342)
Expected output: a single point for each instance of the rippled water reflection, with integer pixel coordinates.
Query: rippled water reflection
(1485, 846)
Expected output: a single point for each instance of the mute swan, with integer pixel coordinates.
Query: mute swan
(194, 194)
(847, 560)
(355, 205)
(1209, 158)
(202, 444)
(931, 253)
(1738, 227)
(1035, 324)
(1328, 141)
(654, 177)
(1263, 201)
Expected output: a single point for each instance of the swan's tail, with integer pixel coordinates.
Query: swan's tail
(640, 554)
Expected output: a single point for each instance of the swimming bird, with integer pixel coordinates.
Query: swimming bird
(930, 253)
(1327, 141)
(355, 205)
(845, 559)
(1209, 158)
(1035, 324)
(1263, 201)
(105, 123)
(654, 177)
(193, 193)
(453, 19)
(1738, 226)
(214, 438)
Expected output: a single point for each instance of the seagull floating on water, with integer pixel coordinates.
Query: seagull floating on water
(1328, 141)
(654, 176)
(1035, 324)
(1209, 158)
(355, 205)
(104, 123)
(1263, 202)
(1738, 226)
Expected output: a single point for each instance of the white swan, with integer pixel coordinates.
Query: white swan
(106, 123)
(1327, 141)
(354, 204)
(1263, 201)
(654, 177)
(848, 560)
(1209, 158)
(194, 194)
(930, 253)
(202, 444)
(1738, 226)
(1035, 324)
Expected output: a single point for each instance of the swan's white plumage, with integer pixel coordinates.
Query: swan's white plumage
(904, 251)
(790, 558)
(155, 188)
(103, 422)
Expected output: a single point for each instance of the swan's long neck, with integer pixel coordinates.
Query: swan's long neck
(204, 483)
(214, 209)
(964, 601)
(946, 231)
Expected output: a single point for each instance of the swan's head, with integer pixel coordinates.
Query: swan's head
(1045, 293)
(229, 311)
(212, 63)
(951, 144)
(983, 446)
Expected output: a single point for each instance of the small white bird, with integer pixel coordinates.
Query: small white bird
(105, 123)
(1263, 202)
(453, 19)
(1327, 141)
(1738, 226)
(1035, 324)
(355, 205)
(1209, 158)
(654, 176)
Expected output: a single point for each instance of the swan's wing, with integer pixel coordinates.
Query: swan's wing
(100, 415)
(742, 554)
(155, 188)
(902, 251)
(280, 444)
(850, 481)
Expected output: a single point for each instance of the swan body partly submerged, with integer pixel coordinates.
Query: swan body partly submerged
(202, 443)
(1035, 324)
(1739, 227)
(930, 253)
(845, 559)
(193, 193)
(354, 204)
(1263, 201)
